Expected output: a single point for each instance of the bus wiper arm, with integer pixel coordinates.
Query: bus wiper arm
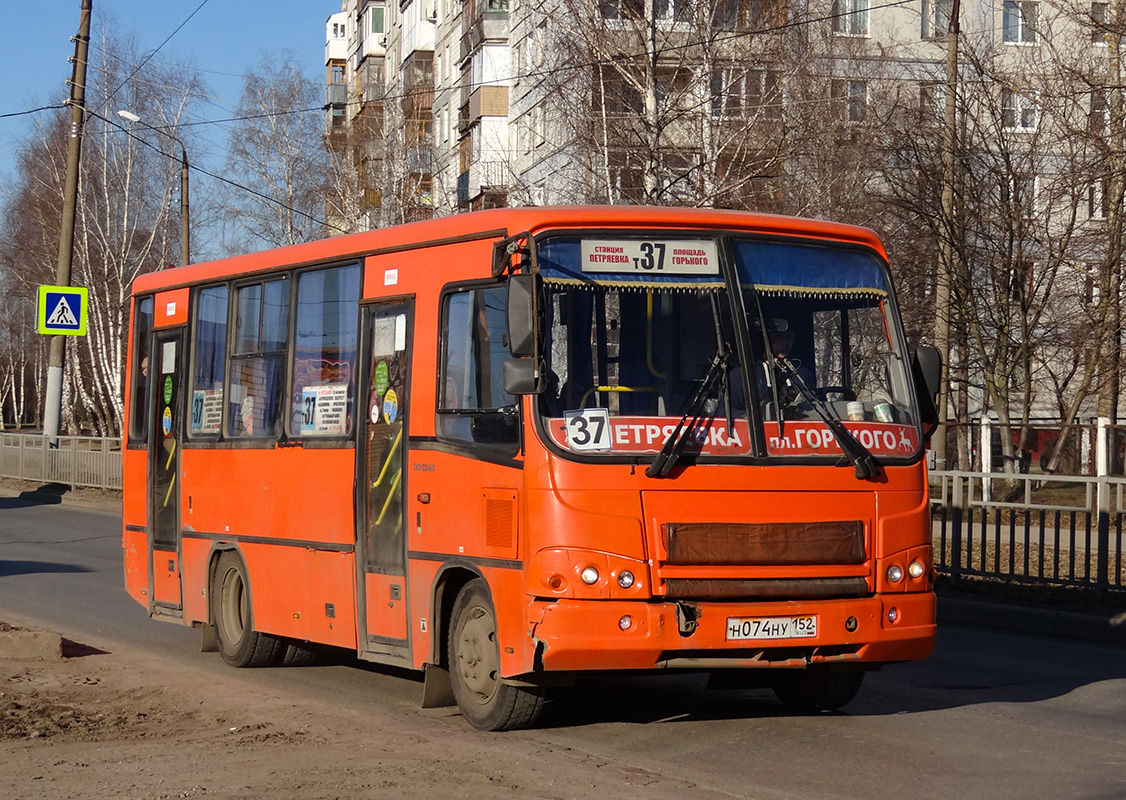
(674, 445)
(865, 464)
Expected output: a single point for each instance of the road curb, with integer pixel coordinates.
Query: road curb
(1096, 628)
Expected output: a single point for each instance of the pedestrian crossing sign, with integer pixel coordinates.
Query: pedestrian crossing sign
(61, 310)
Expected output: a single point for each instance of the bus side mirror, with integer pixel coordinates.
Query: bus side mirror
(522, 314)
(524, 376)
(926, 369)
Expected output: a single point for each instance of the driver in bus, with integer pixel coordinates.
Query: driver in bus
(781, 335)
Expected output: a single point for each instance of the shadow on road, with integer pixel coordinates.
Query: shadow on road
(12, 567)
(49, 494)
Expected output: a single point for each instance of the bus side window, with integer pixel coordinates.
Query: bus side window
(324, 352)
(208, 361)
(471, 384)
(254, 400)
(139, 407)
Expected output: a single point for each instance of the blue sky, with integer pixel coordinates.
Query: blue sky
(223, 39)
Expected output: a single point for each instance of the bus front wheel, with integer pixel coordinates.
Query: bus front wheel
(485, 700)
(818, 688)
(239, 644)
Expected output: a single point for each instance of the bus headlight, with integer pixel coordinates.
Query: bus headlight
(589, 576)
(895, 573)
(916, 569)
(625, 579)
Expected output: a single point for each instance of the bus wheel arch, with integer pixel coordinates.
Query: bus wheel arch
(486, 700)
(231, 612)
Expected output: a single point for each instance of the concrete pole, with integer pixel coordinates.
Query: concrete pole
(54, 395)
(946, 244)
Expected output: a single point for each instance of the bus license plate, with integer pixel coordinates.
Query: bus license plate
(744, 628)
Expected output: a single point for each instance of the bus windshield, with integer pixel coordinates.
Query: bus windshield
(648, 339)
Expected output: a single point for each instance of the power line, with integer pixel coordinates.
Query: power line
(145, 60)
(208, 173)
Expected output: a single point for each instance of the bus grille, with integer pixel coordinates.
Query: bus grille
(764, 543)
(730, 561)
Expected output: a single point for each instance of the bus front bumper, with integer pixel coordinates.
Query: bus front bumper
(623, 635)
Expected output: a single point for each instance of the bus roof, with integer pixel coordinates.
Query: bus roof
(501, 222)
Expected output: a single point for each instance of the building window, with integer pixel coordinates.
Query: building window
(1096, 199)
(336, 73)
(1100, 13)
(1099, 117)
(377, 17)
(854, 96)
(850, 17)
(932, 103)
(1018, 21)
(539, 126)
(1018, 111)
(739, 93)
(1018, 194)
(936, 18)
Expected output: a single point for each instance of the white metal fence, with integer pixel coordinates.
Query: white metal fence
(77, 461)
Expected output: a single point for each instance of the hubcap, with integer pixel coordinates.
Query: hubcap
(477, 661)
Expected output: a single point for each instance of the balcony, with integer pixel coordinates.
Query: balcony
(336, 95)
(489, 26)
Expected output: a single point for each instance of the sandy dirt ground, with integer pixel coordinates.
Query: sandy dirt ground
(90, 724)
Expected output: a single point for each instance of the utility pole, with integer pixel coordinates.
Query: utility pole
(946, 245)
(77, 104)
(1111, 278)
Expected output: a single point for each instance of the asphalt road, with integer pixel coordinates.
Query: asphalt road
(989, 715)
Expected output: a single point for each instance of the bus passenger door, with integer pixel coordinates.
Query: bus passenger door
(164, 467)
(382, 452)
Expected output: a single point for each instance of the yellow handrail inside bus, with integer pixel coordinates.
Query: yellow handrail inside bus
(589, 392)
(172, 452)
(168, 494)
(390, 455)
(390, 496)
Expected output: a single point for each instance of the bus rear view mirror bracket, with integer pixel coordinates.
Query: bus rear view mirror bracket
(524, 376)
(522, 314)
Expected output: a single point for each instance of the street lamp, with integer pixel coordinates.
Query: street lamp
(185, 236)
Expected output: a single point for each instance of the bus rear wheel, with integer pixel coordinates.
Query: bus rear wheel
(818, 688)
(239, 644)
(485, 700)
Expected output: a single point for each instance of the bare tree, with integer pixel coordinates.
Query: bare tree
(282, 178)
(126, 224)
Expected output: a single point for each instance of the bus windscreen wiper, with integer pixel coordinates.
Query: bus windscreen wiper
(865, 464)
(674, 445)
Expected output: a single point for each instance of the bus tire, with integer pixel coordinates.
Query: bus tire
(239, 644)
(819, 688)
(485, 700)
(299, 655)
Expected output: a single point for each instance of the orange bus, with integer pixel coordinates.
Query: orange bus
(517, 446)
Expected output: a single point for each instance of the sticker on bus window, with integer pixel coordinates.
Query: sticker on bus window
(390, 406)
(382, 378)
(383, 337)
(324, 409)
(655, 258)
(207, 410)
